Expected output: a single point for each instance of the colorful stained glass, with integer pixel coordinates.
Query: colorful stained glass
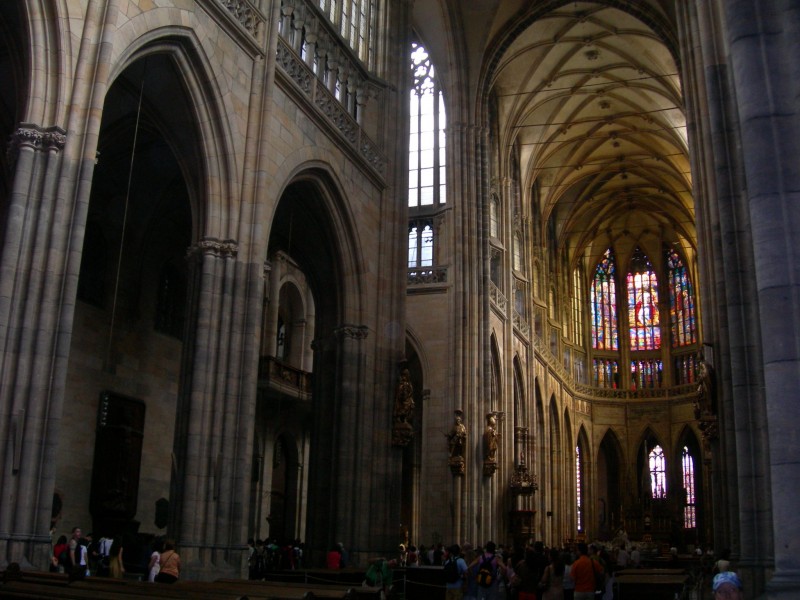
(681, 301)
(606, 373)
(646, 374)
(658, 473)
(690, 503)
(604, 304)
(643, 321)
(578, 488)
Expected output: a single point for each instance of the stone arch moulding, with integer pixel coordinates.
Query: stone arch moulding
(321, 179)
(212, 200)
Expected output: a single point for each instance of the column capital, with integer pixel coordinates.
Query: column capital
(213, 247)
(36, 137)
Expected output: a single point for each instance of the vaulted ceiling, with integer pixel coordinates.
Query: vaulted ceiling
(588, 96)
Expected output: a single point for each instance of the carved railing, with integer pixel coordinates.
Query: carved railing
(521, 325)
(498, 298)
(425, 275)
(313, 55)
(242, 21)
(588, 392)
(279, 376)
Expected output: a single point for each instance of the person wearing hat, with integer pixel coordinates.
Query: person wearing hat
(727, 586)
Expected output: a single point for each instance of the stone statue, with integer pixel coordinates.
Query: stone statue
(490, 445)
(403, 430)
(457, 441)
(705, 405)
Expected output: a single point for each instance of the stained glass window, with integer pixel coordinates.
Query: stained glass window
(646, 374)
(606, 373)
(604, 304)
(577, 306)
(681, 301)
(645, 333)
(686, 368)
(689, 509)
(427, 184)
(579, 488)
(658, 473)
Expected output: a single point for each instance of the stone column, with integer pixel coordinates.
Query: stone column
(214, 432)
(761, 37)
(33, 286)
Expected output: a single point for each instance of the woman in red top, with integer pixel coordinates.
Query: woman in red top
(58, 549)
(334, 558)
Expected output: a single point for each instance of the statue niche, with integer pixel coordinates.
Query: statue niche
(403, 417)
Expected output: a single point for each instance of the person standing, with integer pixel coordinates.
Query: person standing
(552, 582)
(333, 559)
(116, 569)
(584, 572)
(727, 586)
(170, 564)
(78, 556)
(154, 566)
(59, 550)
(490, 569)
(455, 573)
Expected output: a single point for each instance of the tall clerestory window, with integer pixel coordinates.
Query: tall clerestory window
(356, 21)
(681, 302)
(427, 183)
(658, 473)
(690, 505)
(642, 287)
(604, 304)
(577, 306)
(420, 244)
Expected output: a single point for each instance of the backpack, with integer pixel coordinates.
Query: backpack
(487, 573)
(451, 574)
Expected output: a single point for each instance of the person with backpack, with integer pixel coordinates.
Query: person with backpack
(490, 569)
(455, 570)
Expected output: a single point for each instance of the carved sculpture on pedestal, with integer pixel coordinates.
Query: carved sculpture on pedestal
(403, 417)
(457, 442)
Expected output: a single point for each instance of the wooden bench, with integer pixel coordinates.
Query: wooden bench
(653, 586)
(37, 584)
(338, 591)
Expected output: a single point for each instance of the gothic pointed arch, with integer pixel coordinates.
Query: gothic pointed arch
(313, 227)
(610, 483)
(496, 375)
(651, 467)
(520, 396)
(555, 485)
(689, 478)
(583, 459)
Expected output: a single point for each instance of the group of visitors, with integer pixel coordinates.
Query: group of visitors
(583, 572)
(81, 556)
(269, 555)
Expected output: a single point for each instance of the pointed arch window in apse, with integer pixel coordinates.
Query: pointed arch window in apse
(645, 332)
(689, 509)
(604, 304)
(658, 473)
(578, 488)
(427, 183)
(681, 301)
